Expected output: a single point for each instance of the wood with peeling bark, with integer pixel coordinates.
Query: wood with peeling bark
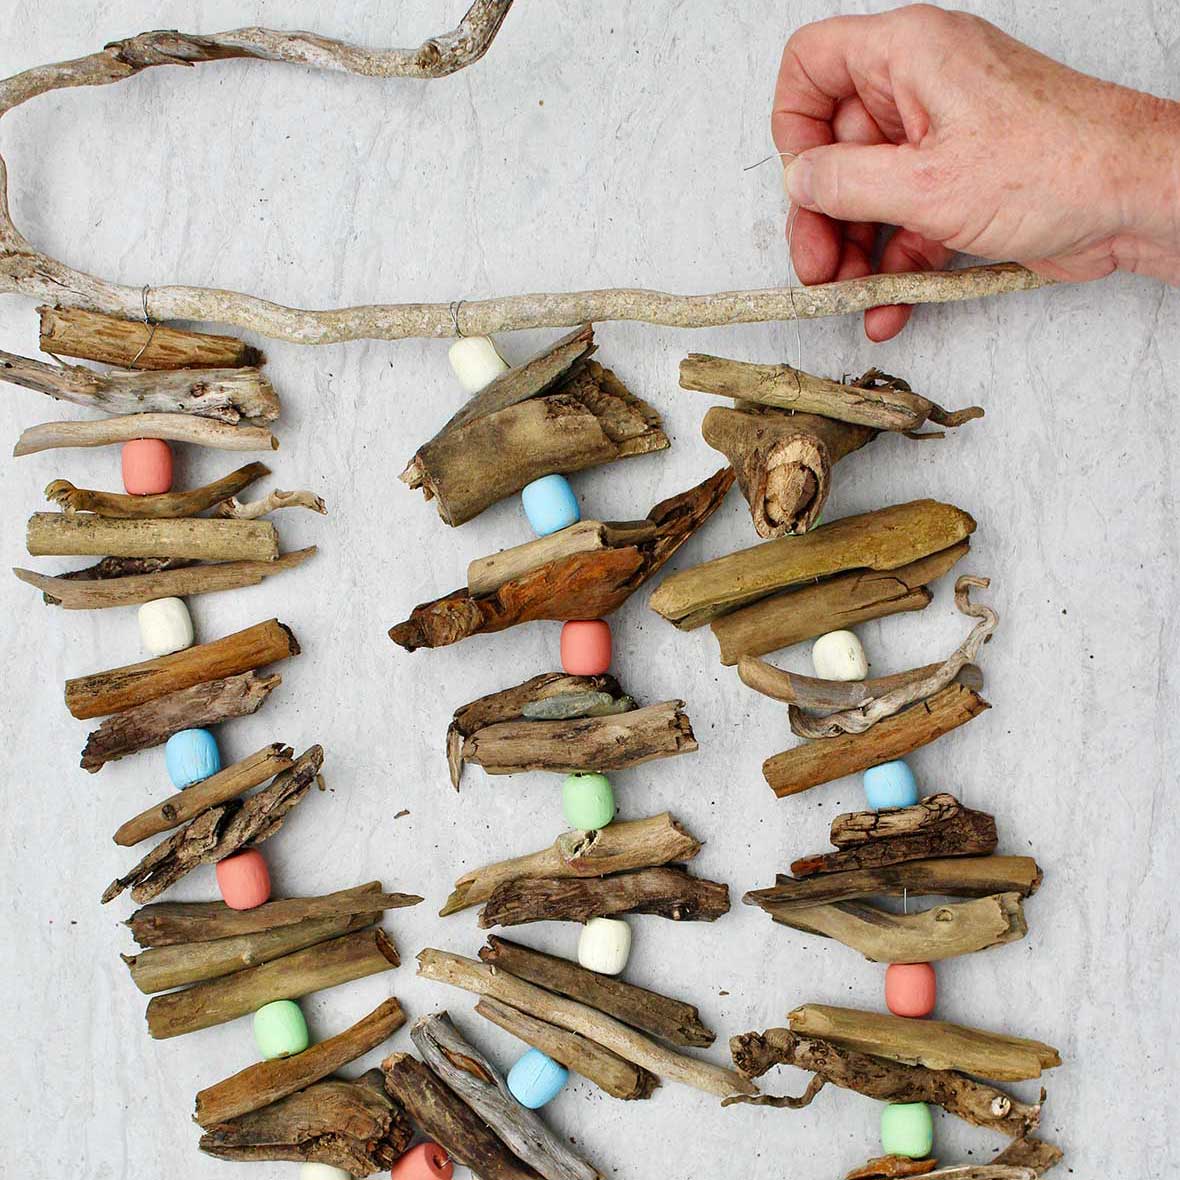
(851, 829)
(581, 586)
(983, 1172)
(64, 534)
(185, 428)
(1030, 1152)
(165, 505)
(889, 1167)
(265, 1082)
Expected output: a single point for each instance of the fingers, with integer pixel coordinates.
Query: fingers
(905, 251)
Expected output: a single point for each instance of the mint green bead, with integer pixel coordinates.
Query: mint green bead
(907, 1129)
(588, 801)
(280, 1030)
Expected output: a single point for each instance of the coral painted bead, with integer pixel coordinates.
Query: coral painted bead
(476, 362)
(550, 504)
(147, 466)
(604, 945)
(309, 1170)
(165, 626)
(892, 784)
(427, 1161)
(910, 989)
(280, 1030)
(585, 647)
(244, 880)
(838, 655)
(191, 755)
(907, 1129)
(536, 1079)
(588, 801)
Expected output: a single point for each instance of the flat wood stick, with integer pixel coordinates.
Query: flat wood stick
(63, 534)
(958, 1172)
(892, 1167)
(101, 693)
(339, 960)
(265, 1082)
(661, 1016)
(165, 506)
(473, 976)
(936, 1044)
(185, 428)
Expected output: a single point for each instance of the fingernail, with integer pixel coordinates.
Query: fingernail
(797, 181)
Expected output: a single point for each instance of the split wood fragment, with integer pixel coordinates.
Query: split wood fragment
(185, 428)
(65, 534)
(271, 502)
(166, 505)
(890, 1167)
(1030, 1152)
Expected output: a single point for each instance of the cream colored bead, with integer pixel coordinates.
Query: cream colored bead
(313, 1171)
(476, 362)
(604, 945)
(165, 626)
(838, 655)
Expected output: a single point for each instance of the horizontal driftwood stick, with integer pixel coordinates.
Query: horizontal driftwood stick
(611, 1073)
(473, 976)
(812, 763)
(170, 922)
(132, 344)
(670, 1020)
(254, 647)
(226, 395)
(265, 1082)
(339, 960)
(666, 892)
(627, 844)
(153, 723)
(185, 428)
(165, 506)
(133, 589)
(64, 534)
(936, 1044)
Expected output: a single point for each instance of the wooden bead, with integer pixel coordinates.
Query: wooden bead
(280, 1029)
(426, 1161)
(585, 647)
(147, 466)
(588, 801)
(190, 756)
(838, 655)
(476, 362)
(309, 1170)
(550, 504)
(165, 626)
(244, 880)
(536, 1079)
(911, 989)
(604, 945)
(892, 784)
(907, 1129)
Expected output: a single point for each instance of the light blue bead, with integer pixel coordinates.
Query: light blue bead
(190, 756)
(536, 1079)
(550, 504)
(892, 784)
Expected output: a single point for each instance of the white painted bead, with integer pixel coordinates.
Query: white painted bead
(604, 945)
(165, 626)
(313, 1171)
(838, 655)
(476, 362)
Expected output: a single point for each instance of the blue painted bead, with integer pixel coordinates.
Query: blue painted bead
(190, 756)
(892, 784)
(536, 1079)
(550, 504)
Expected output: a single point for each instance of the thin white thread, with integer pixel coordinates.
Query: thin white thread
(454, 309)
(148, 323)
(792, 217)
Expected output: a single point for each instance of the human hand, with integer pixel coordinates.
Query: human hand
(966, 139)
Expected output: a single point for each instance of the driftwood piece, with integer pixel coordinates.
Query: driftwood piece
(1029, 1152)
(226, 395)
(220, 831)
(665, 892)
(466, 1071)
(354, 1126)
(253, 647)
(888, 1081)
(936, 1044)
(955, 928)
(339, 960)
(670, 1020)
(264, 1082)
(173, 581)
(582, 586)
(64, 534)
(132, 344)
(167, 923)
(886, 539)
(852, 829)
(813, 763)
(444, 1117)
(624, 845)
(888, 1167)
(473, 976)
(611, 1073)
(252, 509)
(166, 505)
(185, 428)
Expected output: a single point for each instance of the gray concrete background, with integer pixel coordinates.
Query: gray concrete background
(595, 145)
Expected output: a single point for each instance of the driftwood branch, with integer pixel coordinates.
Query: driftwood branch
(65, 534)
(185, 428)
(166, 505)
(890, 1167)
(272, 502)
(1029, 1152)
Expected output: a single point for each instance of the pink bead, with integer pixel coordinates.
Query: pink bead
(585, 647)
(147, 466)
(910, 989)
(244, 880)
(427, 1161)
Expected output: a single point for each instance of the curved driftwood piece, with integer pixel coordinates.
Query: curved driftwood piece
(875, 1077)
(627, 844)
(65, 534)
(354, 1126)
(227, 395)
(581, 586)
(473, 976)
(166, 505)
(936, 1044)
(466, 1071)
(186, 428)
(1029, 1152)
(889, 1167)
(265, 1082)
(221, 830)
(670, 1020)
(271, 502)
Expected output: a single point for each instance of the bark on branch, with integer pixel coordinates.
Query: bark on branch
(65, 534)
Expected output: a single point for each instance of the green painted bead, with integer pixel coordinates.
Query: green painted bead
(280, 1030)
(907, 1129)
(588, 800)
